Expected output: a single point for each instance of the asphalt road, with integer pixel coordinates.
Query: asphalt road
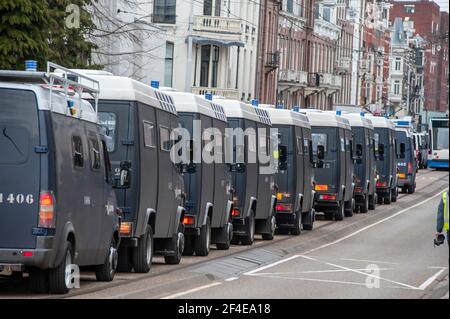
(387, 253)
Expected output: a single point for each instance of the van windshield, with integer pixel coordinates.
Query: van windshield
(325, 136)
(18, 115)
(109, 122)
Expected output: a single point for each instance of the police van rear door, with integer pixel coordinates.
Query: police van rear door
(19, 168)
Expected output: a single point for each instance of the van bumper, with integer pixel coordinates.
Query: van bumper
(285, 219)
(321, 205)
(42, 257)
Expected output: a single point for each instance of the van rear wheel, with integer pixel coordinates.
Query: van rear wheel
(143, 254)
(202, 243)
(107, 271)
(388, 199)
(249, 236)
(60, 277)
(339, 213)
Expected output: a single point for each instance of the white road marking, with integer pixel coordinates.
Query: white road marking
(232, 279)
(272, 265)
(374, 224)
(190, 291)
(315, 271)
(369, 261)
(361, 273)
(431, 279)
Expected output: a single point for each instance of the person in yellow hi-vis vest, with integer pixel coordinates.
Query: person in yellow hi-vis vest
(442, 216)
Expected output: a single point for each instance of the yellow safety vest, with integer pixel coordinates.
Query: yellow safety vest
(444, 200)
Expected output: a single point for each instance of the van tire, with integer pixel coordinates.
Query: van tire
(339, 213)
(202, 243)
(410, 189)
(364, 207)
(107, 271)
(250, 227)
(297, 229)
(388, 199)
(124, 261)
(188, 245)
(226, 245)
(38, 280)
(141, 260)
(57, 276)
(348, 209)
(273, 227)
(178, 244)
(394, 195)
(372, 202)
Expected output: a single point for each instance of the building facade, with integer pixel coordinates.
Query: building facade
(425, 18)
(268, 60)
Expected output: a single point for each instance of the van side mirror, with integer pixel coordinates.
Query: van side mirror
(282, 158)
(320, 152)
(123, 179)
(402, 150)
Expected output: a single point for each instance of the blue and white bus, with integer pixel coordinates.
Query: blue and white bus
(438, 135)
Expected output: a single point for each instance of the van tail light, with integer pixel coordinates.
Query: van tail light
(328, 197)
(235, 212)
(283, 208)
(126, 229)
(410, 168)
(47, 217)
(321, 187)
(381, 184)
(188, 220)
(358, 189)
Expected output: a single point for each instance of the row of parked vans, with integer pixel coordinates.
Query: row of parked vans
(88, 177)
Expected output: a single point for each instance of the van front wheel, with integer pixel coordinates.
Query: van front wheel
(297, 229)
(143, 253)
(178, 247)
(107, 271)
(273, 226)
(249, 236)
(339, 213)
(202, 243)
(38, 281)
(60, 277)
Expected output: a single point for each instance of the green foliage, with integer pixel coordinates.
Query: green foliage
(37, 29)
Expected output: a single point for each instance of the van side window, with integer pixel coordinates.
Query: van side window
(108, 177)
(165, 139)
(149, 134)
(95, 154)
(306, 146)
(77, 149)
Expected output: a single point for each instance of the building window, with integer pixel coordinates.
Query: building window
(204, 67)
(215, 66)
(164, 11)
(168, 65)
(326, 14)
(210, 6)
(398, 64)
(290, 6)
(409, 9)
(397, 87)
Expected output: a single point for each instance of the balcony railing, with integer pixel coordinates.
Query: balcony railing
(272, 60)
(343, 64)
(293, 77)
(226, 93)
(217, 24)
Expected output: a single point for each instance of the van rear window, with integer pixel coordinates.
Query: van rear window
(18, 119)
(319, 139)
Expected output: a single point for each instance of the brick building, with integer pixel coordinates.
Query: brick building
(425, 17)
(268, 54)
(374, 58)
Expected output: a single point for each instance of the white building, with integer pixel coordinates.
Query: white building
(224, 44)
